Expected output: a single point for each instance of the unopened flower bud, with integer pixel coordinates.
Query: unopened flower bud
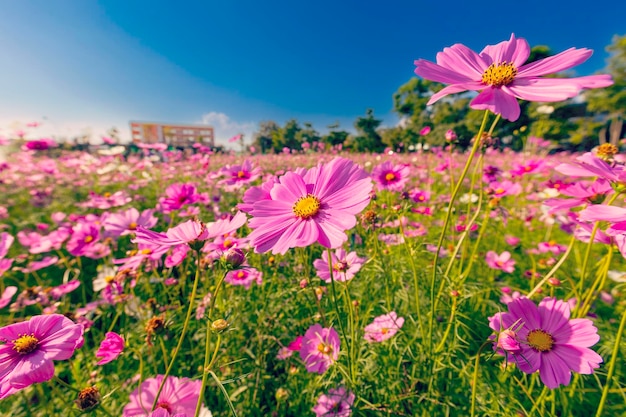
(554, 282)
(219, 325)
(281, 394)
(234, 258)
(454, 293)
(304, 283)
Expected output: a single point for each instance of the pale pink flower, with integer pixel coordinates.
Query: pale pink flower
(320, 348)
(383, 327)
(502, 261)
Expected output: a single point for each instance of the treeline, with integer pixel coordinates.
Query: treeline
(577, 124)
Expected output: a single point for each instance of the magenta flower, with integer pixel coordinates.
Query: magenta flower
(502, 261)
(336, 403)
(245, 277)
(110, 348)
(318, 206)
(28, 348)
(178, 195)
(383, 327)
(390, 177)
(345, 265)
(237, 176)
(179, 396)
(549, 342)
(500, 75)
(320, 348)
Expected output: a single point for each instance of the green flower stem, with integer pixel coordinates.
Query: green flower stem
(554, 268)
(475, 378)
(415, 284)
(192, 298)
(583, 269)
(446, 222)
(341, 327)
(539, 401)
(208, 364)
(352, 325)
(597, 285)
(614, 355)
(449, 326)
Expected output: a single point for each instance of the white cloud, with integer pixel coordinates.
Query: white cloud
(225, 128)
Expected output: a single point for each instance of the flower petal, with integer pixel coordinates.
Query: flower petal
(499, 102)
(556, 63)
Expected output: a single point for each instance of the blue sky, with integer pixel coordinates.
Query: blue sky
(83, 66)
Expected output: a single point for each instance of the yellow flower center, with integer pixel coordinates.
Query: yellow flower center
(228, 243)
(390, 176)
(25, 344)
(88, 239)
(307, 206)
(606, 151)
(240, 275)
(132, 226)
(499, 191)
(324, 349)
(241, 174)
(498, 75)
(384, 330)
(540, 340)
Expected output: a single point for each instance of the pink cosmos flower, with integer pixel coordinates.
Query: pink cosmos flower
(500, 75)
(179, 396)
(390, 177)
(84, 236)
(420, 196)
(582, 193)
(589, 165)
(110, 348)
(236, 176)
(320, 348)
(549, 342)
(383, 327)
(7, 295)
(504, 188)
(336, 403)
(178, 195)
(318, 206)
(502, 261)
(28, 349)
(345, 265)
(6, 240)
(189, 232)
(245, 276)
(61, 290)
(126, 222)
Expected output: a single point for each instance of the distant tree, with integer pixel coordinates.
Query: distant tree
(367, 138)
(263, 137)
(308, 134)
(287, 136)
(335, 136)
(612, 100)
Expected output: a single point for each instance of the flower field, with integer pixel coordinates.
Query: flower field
(124, 270)
(431, 283)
